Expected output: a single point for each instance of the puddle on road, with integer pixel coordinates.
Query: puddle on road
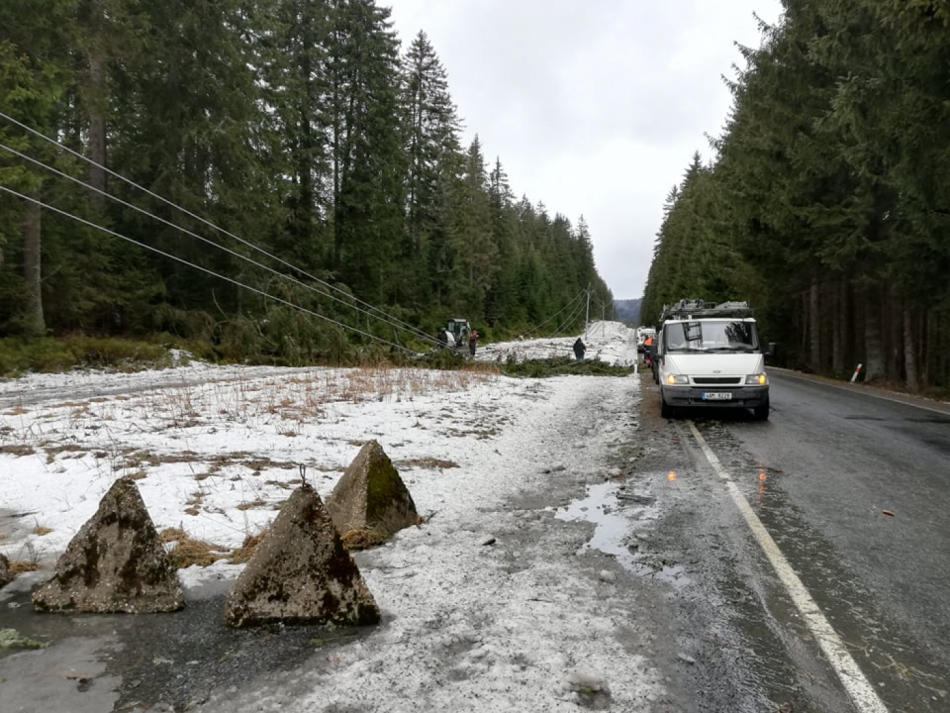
(617, 513)
(612, 528)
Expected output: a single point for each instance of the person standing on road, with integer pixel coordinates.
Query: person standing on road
(579, 349)
(648, 351)
(472, 342)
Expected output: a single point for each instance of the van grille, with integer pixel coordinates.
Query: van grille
(717, 379)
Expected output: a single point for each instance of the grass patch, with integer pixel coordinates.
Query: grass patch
(426, 463)
(49, 355)
(53, 451)
(559, 366)
(15, 567)
(362, 539)
(11, 639)
(187, 551)
(18, 450)
(243, 553)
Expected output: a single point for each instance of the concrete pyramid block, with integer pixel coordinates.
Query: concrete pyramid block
(371, 496)
(115, 563)
(301, 573)
(5, 576)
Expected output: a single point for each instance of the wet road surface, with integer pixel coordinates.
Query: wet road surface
(820, 476)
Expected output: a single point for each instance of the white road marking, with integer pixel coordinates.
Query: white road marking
(860, 690)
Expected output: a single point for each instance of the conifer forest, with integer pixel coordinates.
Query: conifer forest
(285, 180)
(827, 203)
(281, 180)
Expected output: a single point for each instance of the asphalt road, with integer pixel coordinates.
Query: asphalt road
(853, 484)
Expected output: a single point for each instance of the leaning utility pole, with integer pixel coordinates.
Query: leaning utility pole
(587, 316)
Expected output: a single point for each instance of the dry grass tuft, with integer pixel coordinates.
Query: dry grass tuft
(18, 450)
(362, 539)
(194, 503)
(40, 530)
(170, 534)
(425, 463)
(483, 368)
(16, 567)
(136, 459)
(243, 553)
(252, 504)
(187, 551)
(53, 451)
(259, 464)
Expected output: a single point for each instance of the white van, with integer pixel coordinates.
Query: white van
(711, 356)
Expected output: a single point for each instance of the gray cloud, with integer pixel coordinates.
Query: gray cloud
(594, 107)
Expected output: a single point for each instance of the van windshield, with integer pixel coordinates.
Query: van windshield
(711, 335)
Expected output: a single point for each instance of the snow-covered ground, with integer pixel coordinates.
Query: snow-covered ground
(510, 625)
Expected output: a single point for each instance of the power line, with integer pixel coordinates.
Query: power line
(554, 316)
(574, 315)
(202, 269)
(206, 240)
(394, 320)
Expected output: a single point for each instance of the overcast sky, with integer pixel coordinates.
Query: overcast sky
(594, 107)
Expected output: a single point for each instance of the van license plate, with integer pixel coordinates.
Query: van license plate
(717, 396)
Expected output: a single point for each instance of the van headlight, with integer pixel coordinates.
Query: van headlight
(677, 379)
(756, 380)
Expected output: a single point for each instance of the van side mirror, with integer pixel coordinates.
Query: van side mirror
(772, 350)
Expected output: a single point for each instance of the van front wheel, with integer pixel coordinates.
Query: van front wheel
(666, 411)
(761, 413)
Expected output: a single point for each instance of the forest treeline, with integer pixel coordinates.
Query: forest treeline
(322, 148)
(828, 203)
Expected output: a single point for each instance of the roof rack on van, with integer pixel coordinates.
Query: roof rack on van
(696, 308)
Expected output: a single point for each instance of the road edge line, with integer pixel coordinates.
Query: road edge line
(859, 689)
(855, 389)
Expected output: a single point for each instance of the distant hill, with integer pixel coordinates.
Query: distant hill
(627, 310)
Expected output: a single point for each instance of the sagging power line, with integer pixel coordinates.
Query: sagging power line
(370, 310)
(554, 316)
(238, 283)
(386, 318)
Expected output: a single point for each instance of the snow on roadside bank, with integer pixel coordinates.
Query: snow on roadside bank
(467, 625)
(610, 342)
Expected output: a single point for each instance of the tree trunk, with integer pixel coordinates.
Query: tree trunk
(805, 314)
(910, 353)
(34, 324)
(873, 348)
(895, 337)
(97, 133)
(840, 317)
(814, 324)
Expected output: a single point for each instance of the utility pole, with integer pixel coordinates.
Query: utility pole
(587, 316)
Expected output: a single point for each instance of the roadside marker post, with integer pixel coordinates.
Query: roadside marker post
(856, 372)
